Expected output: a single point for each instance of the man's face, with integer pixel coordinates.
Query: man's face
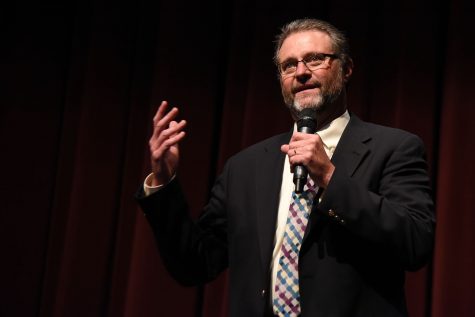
(305, 88)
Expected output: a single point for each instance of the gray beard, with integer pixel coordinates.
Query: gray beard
(329, 93)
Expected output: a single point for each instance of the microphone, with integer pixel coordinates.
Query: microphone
(306, 123)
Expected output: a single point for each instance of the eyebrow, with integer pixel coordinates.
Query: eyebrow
(289, 59)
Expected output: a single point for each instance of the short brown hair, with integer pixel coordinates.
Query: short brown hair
(339, 39)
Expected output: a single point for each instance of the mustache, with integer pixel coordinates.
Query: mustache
(306, 86)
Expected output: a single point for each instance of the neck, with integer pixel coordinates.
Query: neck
(330, 112)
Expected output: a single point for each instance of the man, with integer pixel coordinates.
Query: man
(342, 247)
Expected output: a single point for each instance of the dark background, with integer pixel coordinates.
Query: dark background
(80, 81)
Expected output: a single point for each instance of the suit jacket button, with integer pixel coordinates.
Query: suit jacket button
(263, 293)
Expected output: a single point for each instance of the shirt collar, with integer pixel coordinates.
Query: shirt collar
(331, 133)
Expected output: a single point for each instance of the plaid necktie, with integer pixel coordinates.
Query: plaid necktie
(286, 301)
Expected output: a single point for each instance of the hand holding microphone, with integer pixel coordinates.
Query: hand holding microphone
(307, 154)
(306, 123)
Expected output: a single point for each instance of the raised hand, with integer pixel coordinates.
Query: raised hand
(164, 151)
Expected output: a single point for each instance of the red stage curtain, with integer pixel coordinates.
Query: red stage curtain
(80, 84)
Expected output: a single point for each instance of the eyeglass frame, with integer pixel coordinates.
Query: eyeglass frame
(303, 60)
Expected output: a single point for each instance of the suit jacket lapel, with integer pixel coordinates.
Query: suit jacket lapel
(349, 153)
(352, 148)
(268, 183)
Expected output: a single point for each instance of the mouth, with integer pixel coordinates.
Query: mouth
(305, 88)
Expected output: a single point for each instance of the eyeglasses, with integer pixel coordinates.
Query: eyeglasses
(312, 61)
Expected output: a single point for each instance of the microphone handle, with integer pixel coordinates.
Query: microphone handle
(300, 178)
(300, 171)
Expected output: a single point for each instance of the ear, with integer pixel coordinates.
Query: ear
(348, 69)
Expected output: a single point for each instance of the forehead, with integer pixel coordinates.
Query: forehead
(298, 44)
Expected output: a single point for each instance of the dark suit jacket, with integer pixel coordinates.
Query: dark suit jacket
(375, 220)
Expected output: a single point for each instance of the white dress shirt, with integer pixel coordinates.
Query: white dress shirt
(330, 135)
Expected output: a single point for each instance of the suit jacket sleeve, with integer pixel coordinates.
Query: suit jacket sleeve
(194, 252)
(387, 202)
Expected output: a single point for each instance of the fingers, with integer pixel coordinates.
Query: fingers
(308, 150)
(169, 136)
(299, 136)
(291, 149)
(174, 134)
(303, 148)
(173, 128)
(301, 142)
(162, 119)
(160, 111)
(301, 155)
(167, 132)
(284, 148)
(297, 154)
(157, 152)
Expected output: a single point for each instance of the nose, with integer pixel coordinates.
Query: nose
(302, 73)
